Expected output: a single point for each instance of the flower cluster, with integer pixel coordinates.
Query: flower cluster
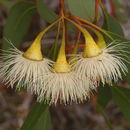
(64, 80)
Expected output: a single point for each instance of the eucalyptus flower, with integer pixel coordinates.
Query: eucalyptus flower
(105, 64)
(21, 69)
(61, 83)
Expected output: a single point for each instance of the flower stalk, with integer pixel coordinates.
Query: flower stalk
(100, 39)
(91, 24)
(61, 65)
(91, 49)
(34, 51)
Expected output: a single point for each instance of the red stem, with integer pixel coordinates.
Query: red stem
(96, 9)
(112, 8)
(61, 6)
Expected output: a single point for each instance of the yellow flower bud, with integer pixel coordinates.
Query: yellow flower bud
(91, 48)
(34, 51)
(61, 65)
(100, 41)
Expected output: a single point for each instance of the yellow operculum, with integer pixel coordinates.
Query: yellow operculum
(91, 48)
(75, 50)
(61, 65)
(34, 51)
(100, 41)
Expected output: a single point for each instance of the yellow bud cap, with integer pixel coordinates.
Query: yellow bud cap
(91, 50)
(61, 65)
(100, 41)
(34, 51)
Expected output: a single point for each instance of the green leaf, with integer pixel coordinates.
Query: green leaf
(18, 23)
(104, 95)
(127, 49)
(38, 118)
(121, 16)
(121, 96)
(112, 25)
(84, 9)
(46, 13)
(54, 50)
(120, 10)
(6, 3)
(116, 31)
(121, 39)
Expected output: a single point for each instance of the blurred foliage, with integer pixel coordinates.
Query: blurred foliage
(17, 25)
(121, 96)
(120, 10)
(104, 95)
(45, 12)
(6, 3)
(100, 109)
(84, 9)
(38, 118)
(18, 22)
(112, 25)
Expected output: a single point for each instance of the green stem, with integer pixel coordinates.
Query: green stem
(75, 50)
(62, 48)
(86, 34)
(93, 25)
(55, 46)
(40, 35)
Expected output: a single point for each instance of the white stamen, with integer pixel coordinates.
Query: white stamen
(106, 67)
(18, 71)
(65, 87)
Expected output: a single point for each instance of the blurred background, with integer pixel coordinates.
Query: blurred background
(14, 106)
